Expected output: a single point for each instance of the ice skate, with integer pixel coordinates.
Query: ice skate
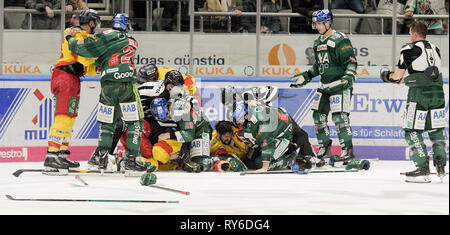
(54, 164)
(346, 156)
(72, 164)
(130, 167)
(93, 161)
(440, 168)
(420, 175)
(324, 154)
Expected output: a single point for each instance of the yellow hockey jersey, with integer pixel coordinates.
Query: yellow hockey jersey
(237, 146)
(67, 57)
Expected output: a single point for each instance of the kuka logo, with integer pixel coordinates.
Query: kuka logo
(43, 120)
(282, 54)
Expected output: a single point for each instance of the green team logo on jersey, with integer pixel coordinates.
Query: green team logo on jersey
(323, 61)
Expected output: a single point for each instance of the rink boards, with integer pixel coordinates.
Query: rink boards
(26, 113)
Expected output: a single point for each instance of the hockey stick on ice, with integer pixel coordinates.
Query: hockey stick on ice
(431, 173)
(291, 172)
(84, 200)
(20, 171)
(170, 189)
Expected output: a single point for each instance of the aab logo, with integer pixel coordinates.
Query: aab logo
(42, 120)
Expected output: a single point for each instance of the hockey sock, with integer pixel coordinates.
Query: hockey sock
(60, 132)
(134, 137)
(415, 142)
(344, 131)
(322, 130)
(438, 139)
(105, 136)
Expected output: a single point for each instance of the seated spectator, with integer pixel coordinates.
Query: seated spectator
(268, 24)
(386, 7)
(45, 20)
(427, 7)
(305, 8)
(14, 3)
(354, 5)
(48, 20)
(72, 5)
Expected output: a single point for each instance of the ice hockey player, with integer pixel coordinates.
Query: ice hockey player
(226, 141)
(228, 149)
(65, 86)
(189, 140)
(425, 109)
(149, 88)
(264, 96)
(115, 50)
(269, 131)
(336, 64)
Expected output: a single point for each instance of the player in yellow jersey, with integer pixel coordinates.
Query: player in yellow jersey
(65, 87)
(226, 141)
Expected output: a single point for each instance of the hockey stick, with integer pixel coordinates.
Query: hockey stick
(20, 171)
(431, 173)
(291, 172)
(169, 189)
(84, 200)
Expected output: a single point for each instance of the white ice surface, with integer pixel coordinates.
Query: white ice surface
(381, 190)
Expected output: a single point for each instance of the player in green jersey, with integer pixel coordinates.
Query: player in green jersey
(115, 51)
(419, 67)
(336, 64)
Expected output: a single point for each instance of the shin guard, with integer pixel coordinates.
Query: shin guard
(322, 130)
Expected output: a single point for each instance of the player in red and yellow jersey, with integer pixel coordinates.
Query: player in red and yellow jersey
(226, 141)
(65, 87)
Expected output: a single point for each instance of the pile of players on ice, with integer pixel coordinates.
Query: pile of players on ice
(178, 135)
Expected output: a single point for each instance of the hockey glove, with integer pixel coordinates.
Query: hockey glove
(301, 79)
(386, 76)
(148, 179)
(359, 164)
(222, 166)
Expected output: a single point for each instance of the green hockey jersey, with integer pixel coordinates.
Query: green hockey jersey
(334, 58)
(114, 52)
(192, 122)
(269, 128)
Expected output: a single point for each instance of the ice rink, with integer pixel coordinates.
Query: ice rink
(381, 190)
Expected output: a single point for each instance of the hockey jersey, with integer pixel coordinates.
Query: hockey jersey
(115, 51)
(334, 57)
(237, 146)
(68, 57)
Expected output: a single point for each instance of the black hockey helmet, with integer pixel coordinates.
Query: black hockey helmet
(87, 15)
(174, 77)
(148, 73)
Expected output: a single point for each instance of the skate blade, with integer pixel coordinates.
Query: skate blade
(419, 179)
(55, 171)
